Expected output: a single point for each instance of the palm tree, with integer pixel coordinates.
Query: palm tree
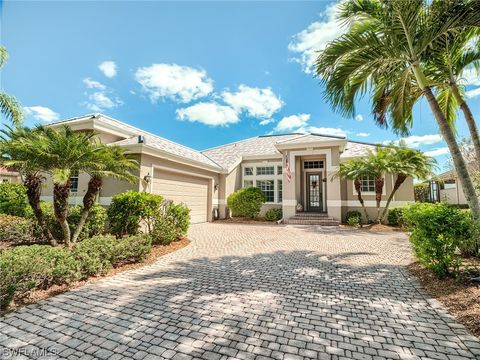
(18, 148)
(113, 163)
(355, 170)
(383, 52)
(407, 163)
(9, 106)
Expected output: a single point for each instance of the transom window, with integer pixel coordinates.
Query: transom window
(317, 164)
(248, 171)
(265, 170)
(367, 184)
(267, 187)
(74, 182)
(247, 183)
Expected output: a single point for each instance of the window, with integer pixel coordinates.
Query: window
(267, 187)
(449, 184)
(5, 180)
(74, 182)
(247, 183)
(279, 170)
(265, 170)
(279, 190)
(313, 164)
(367, 184)
(248, 171)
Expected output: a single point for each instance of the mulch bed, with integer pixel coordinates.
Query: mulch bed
(157, 251)
(374, 227)
(459, 295)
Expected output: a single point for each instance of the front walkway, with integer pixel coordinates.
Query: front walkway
(249, 291)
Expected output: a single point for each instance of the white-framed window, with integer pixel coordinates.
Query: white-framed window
(247, 183)
(279, 170)
(265, 170)
(74, 182)
(279, 190)
(367, 184)
(268, 189)
(248, 171)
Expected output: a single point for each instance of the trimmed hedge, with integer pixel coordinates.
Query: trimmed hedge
(438, 233)
(395, 216)
(171, 223)
(16, 229)
(246, 202)
(273, 214)
(13, 199)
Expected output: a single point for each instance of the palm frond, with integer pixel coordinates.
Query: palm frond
(11, 109)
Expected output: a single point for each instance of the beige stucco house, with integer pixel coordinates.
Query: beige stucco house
(450, 190)
(10, 176)
(204, 179)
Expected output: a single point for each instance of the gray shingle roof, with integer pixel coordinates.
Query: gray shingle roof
(356, 149)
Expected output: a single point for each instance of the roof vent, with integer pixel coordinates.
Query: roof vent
(141, 139)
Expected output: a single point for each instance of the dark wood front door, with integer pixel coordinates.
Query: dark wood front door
(314, 188)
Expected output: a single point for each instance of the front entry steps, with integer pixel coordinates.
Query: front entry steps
(312, 219)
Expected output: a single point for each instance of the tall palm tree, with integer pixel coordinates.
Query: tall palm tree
(9, 106)
(354, 170)
(383, 53)
(18, 148)
(407, 163)
(113, 163)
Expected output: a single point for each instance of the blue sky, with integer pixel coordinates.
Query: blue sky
(199, 73)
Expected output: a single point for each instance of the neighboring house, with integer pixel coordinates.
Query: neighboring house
(450, 190)
(9, 176)
(204, 179)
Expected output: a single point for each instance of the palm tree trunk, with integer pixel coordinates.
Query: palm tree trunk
(60, 207)
(33, 183)
(458, 161)
(94, 186)
(398, 182)
(379, 182)
(358, 189)
(472, 126)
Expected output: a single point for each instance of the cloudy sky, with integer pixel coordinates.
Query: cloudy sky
(199, 73)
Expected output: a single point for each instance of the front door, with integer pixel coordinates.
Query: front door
(314, 192)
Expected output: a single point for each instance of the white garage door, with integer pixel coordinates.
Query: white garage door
(190, 190)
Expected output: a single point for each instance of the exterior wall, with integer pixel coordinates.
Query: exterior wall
(454, 196)
(11, 178)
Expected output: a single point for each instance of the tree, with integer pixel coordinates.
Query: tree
(9, 106)
(406, 163)
(355, 170)
(383, 53)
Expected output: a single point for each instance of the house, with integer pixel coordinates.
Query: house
(203, 180)
(10, 176)
(450, 189)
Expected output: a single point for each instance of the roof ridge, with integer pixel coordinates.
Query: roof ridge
(247, 139)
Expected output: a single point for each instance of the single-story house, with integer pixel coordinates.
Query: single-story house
(290, 169)
(7, 175)
(450, 190)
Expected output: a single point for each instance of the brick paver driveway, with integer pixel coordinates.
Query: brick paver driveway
(250, 291)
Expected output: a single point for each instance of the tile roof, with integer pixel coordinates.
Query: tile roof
(356, 149)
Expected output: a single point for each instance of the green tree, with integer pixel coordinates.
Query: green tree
(9, 106)
(383, 53)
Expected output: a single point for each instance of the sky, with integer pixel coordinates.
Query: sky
(199, 73)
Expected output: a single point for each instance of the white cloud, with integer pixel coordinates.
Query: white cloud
(315, 37)
(416, 141)
(266, 121)
(363, 134)
(93, 84)
(359, 117)
(109, 68)
(293, 122)
(256, 102)
(210, 113)
(438, 152)
(100, 100)
(324, 131)
(179, 83)
(470, 77)
(473, 93)
(42, 113)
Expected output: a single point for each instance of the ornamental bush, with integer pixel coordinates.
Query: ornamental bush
(16, 229)
(437, 233)
(13, 199)
(171, 223)
(26, 268)
(354, 218)
(273, 214)
(131, 208)
(246, 202)
(395, 216)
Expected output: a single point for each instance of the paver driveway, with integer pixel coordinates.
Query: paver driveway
(250, 291)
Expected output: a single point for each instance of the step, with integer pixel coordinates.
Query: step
(323, 222)
(311, 214)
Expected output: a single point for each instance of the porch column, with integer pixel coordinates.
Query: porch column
(334, 196)
(289, 201)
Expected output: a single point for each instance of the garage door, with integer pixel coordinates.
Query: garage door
(190, 190)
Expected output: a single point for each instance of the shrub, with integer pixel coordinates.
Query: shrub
(273, 214)
(95, 224)
(132, 249)
(354, 218)
(95, 255)
(438, 231)
(171, 223)
(395, 217)
(421, 192)
(13, 199)
(129, 209)
(25, 268)
(16, 229)
(246, 202)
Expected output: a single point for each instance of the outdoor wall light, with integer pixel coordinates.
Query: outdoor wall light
(216, 186)
(147, 178)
